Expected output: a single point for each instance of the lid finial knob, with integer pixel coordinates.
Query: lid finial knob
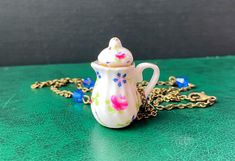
(115, 55)
(115, 43)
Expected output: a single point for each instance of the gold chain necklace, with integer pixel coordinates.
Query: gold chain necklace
(150, 106)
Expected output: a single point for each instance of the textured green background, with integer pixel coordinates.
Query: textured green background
(39, 125)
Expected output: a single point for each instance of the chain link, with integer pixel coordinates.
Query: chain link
(171, 94)
(157, 100)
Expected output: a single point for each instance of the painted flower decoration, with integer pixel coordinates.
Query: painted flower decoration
(98, 74)
(120, 79)
(78, 96)
(120, 55)
(95, 99)
(119, 102)
(88, 83)
(109, 106)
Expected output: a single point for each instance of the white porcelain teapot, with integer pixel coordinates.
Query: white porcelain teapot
(115, 99)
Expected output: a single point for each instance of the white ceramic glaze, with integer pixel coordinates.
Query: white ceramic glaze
(115, 99)
(115, 55)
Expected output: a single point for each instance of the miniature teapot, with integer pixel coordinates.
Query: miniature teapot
(115, 99)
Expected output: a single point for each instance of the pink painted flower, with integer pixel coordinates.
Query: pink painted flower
(120, 55)
(119, 103)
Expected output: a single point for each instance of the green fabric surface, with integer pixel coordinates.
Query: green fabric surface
(40, 125)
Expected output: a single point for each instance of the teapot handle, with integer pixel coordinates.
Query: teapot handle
(156, 73)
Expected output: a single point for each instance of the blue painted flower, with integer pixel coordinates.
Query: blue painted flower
(181, 82)
(78, 96)
(120, 79)
(88, 83)
(98, 74)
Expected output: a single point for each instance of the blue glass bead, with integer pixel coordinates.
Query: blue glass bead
(88, 83)
(181, 82)
(77, 96)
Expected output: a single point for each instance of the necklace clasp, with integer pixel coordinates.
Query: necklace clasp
(200, 97)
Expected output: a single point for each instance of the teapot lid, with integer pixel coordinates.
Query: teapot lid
(115, 55)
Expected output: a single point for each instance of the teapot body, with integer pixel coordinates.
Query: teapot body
(115, 99)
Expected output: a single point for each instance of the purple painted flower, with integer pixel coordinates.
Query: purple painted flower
(120, 79)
